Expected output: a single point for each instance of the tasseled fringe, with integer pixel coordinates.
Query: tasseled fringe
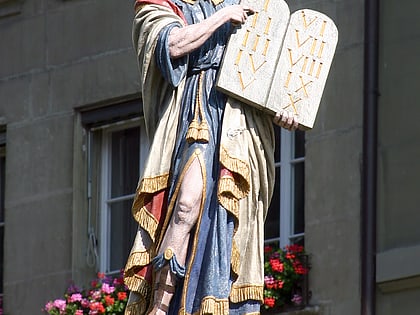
(237, 166)
(192, 133)
(146, 220)
(211, 305)
(137, 308)
(231, 204)
(235, 260)
(203, 133)
(249, 292)
(139, 285)
(151, 185)
(228, 185)
(198, 132)
(137, 259)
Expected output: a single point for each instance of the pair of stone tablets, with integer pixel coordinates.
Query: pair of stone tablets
(280, 62)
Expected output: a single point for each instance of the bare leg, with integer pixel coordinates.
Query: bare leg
(184, 217)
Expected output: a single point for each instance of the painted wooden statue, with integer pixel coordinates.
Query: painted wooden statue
(208, 181)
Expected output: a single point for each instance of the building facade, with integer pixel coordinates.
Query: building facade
(72, 143)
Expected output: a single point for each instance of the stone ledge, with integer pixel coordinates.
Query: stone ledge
(309, 310)
(405, 258)
(10, 7)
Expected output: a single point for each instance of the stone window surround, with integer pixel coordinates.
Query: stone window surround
(10, 7)
(406, 276)
(308, 310)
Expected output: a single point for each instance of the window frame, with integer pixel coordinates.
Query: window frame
(105, 199)
(287, 164)
(2, 205)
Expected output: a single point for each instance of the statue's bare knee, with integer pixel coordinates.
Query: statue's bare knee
(190, 197)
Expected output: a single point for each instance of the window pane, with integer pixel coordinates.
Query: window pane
(272, 222)
(299, 143)
(2, 184)
(1, 258)
(277, 134)
(299, 213)
(123, 229)
(398, 139)
(125, 161)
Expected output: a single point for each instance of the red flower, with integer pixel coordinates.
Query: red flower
(118, 281)
(267, 248)
(101, 275)
(97, 306)
(276, 265)
(101, 309)
(290, 256)
(109, 300)
(122, 296)
(270, 301)
(279, 284)
(295, 248)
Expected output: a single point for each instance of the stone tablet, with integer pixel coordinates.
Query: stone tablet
(252, 52)
(302, 70)
(290, 78)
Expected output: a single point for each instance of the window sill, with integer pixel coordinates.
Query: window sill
(308, 310)
(406, 276)
(10, 7)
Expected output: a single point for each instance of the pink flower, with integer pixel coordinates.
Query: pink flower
(84, 303)
(269, 281)
(107, 289)
(60, 304)
(76, 297)
(118, 281)
(96, 295)
(297, 299)
(49, 306)
(78, 312)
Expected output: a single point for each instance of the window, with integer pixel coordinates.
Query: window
(285, 221)
(124, 150)
(116, 146)
(2, 191)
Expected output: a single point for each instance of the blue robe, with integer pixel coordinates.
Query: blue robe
(208, 273)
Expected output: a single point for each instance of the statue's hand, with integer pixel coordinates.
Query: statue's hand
(236, 14)
(286, 120)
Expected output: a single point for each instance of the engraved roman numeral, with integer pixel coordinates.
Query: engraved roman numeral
(303, 86)
(305, 22)
(293, 62)
(300, 44)
(266, 3)
(293, 103)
